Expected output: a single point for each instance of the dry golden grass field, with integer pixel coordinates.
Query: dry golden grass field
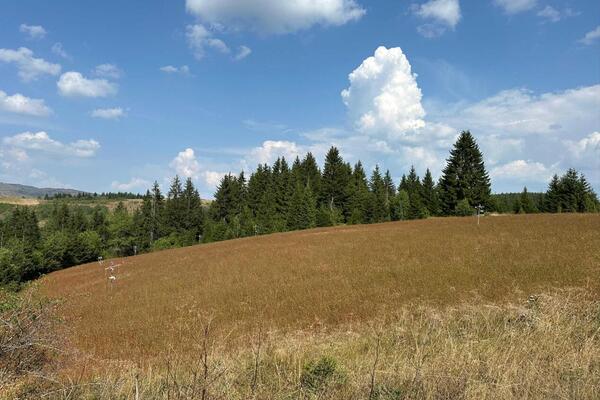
(438, 308)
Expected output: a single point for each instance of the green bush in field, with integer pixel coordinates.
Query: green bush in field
(464, 209)
(318, 374)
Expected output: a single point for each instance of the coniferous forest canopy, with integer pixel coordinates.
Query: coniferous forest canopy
(274, 198)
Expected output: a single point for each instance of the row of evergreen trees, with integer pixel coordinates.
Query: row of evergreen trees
(279, 197)
(273, 199)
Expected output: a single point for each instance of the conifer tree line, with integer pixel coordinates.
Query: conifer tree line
(274, 198)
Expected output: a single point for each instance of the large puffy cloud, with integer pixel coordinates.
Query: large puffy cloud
(519, 112)
(19, 104)
(443, 14)
(273, 149)
(585, 154)
(42, 142)
(523, 171)
(275, 16)
(383, 97)
(73, 84)
(186, 164)
(515, 128)
(29, 67)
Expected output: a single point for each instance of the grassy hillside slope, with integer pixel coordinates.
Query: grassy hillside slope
(322, 279)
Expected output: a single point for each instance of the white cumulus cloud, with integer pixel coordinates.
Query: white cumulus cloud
(515, 6)
(384, 98)
(29, 68)
(73, 84)
(275, 16)
(33, 31)
(19, 104)
(591, 37)
(108, 113)
(199, 39)
(185, 164)
(170, 69)
(42, 142)
(134, 183)
(521, 170)
(443, 14)
(270, 150)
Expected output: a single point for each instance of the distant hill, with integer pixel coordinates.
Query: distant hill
(16, 190)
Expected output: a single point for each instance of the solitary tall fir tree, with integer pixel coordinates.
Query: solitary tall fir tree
(464, 176)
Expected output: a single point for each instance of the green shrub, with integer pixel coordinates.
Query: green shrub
(317, 374)
(464, 209)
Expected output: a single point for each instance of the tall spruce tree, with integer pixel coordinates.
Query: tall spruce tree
(283, 191)
(379, 205)
(311, 174)
(334, 183)
(359, 196)
(464, 176)
(430, 196)
(552, 200)
(414, 189)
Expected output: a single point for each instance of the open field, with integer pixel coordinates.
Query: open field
(20, 201)
(324, 277)
(448, 302)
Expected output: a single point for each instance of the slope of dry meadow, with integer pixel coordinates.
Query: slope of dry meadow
(412, 308)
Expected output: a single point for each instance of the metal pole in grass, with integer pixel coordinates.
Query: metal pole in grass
(479, 212)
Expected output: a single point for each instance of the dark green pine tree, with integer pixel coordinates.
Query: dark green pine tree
(296, 173)
(157, 212)
(311, 174)
(524, 204)
(359, 196)
(174, 207)
(283, 191)
(378, 210)
(261, 199)
(391, 193)
(401, 208)
(430, 196)
(302, 211)
(224, 206)
(570, 189)
(99, 223)
(59, 217)
(552, 199)
(414, 189)
(587, 201)
(464, 176)
(334, 183)
(193, 213)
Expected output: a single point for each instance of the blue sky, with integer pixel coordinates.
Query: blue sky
(109, 95)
